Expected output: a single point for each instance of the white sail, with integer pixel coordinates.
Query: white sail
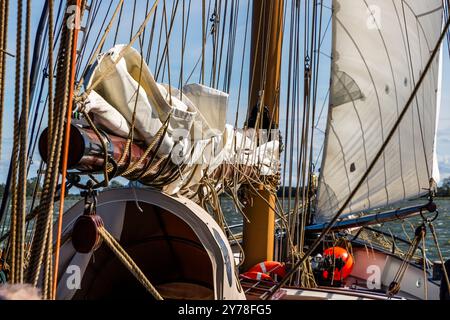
(379, 49)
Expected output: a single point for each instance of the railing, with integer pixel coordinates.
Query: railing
(391, 236)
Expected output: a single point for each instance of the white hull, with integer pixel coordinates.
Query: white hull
(369, 262)
(373, 272)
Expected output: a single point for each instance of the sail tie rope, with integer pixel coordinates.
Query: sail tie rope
(156, 141)
(131, 166)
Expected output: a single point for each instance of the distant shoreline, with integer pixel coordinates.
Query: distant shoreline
(280, 194)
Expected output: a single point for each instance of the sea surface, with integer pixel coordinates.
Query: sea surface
(403, 229)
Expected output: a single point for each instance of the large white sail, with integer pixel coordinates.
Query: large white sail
(379, 49)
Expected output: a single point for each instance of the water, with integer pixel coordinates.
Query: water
(403, 229)
(442, 226)
(4, 224)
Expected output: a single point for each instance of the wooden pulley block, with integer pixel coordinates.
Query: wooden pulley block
(85, 234)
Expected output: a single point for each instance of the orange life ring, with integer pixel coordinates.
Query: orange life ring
(346, 259)
(270, 267)
(257, 276)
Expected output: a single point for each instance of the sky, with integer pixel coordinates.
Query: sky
(191, 56)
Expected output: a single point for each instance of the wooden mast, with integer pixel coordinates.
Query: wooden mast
(265, 74)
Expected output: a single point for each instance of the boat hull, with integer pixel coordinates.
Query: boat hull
(373, 272)
(176, 244)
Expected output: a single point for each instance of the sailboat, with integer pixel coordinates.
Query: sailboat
(165, 235)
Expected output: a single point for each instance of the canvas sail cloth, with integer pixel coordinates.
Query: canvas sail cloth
(379, 49)
(197, 136)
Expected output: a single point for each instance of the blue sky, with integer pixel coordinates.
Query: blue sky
(192, 53)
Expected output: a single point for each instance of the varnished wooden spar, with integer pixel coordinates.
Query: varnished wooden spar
(265, 75)
(86, 153)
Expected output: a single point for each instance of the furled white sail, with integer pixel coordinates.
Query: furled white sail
(379, 49)
(197, 138)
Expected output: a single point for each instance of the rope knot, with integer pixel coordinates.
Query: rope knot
(80, 101)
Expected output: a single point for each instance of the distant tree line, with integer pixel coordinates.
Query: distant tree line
(444, 190)
(32, 187)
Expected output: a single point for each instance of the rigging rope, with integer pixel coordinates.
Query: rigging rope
(185, 28)
(15, 228)
(118, 22)
(202, 80)
(244, 50)
(394, 287)
(424, 260)
(4, 17)
(168, 33)
(65, 155)
(152, 33)
(441, 258)
(120, 56)
(132, 20)
(87, 34)
(372, 165)
(45, 214)
(100, 45)
(23, 154)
